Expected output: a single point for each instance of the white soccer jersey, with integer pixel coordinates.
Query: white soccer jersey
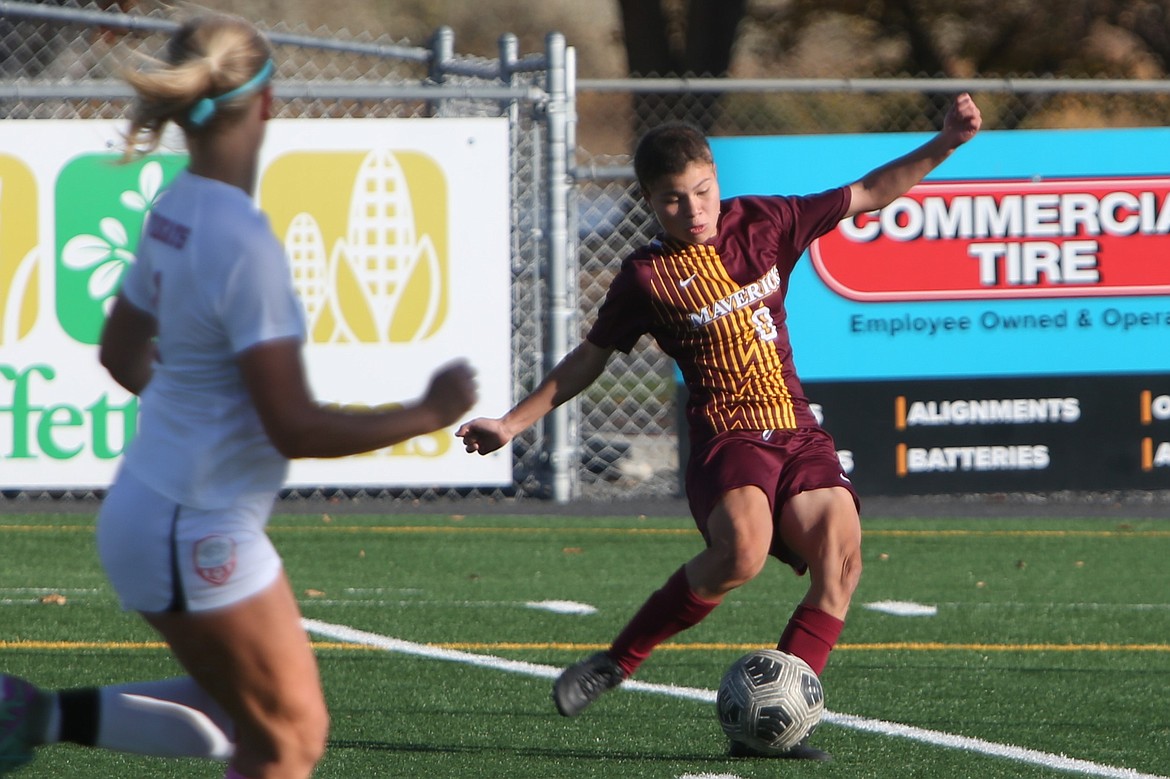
(211, 272)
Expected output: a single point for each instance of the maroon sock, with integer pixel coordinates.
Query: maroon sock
(670, 610)
(811, 635)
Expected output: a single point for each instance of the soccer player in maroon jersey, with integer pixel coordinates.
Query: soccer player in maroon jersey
(763, 477)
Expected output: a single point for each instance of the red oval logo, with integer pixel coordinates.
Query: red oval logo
(1005, 239)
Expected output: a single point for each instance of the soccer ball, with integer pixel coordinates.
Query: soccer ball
(770, 700)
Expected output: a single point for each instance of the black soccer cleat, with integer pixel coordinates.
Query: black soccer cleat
(584, 682)
(801, 751)
(24, 712)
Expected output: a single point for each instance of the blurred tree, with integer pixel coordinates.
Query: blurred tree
(987, 38)
(691, 38)
(968, 37)
(668, 38)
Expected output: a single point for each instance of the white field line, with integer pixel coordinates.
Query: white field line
(902, 608)
(511, 604)
(562, 607)
(1059, 606)
(936, 738)
(10, 596)
(1007, 751)
(50, 590)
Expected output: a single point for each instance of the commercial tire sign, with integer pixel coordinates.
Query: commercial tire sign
(397, 233)
(1003, 325)
(1004, 240)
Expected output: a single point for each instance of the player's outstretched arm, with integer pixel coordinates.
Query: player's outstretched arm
(576, 371)
(299, 426)
(127, 345)
(878, 188)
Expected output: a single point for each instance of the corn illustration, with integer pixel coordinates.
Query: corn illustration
(20, 278)
(306, 251)
(382, 281)
(383, 247)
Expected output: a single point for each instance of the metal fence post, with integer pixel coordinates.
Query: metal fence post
(59, 63)
(442, 51)
(562, 308)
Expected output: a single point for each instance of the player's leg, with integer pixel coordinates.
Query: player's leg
(726, 484)
(211, 583)
(821, 526)
(255, 660)
(739, 531)
(163, 718)
(169, 717)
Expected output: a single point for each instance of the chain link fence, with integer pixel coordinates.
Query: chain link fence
(634, 404)
(620, 440)
(62, 62)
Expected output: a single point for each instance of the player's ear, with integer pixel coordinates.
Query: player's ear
(266, 103)
(644, 190)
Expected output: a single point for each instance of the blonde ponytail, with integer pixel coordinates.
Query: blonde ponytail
(212, 65)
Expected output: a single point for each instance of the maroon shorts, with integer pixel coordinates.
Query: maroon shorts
(782, 463)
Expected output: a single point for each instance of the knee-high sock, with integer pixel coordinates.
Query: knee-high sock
(164, 718)
(810, 635)
(668, 611)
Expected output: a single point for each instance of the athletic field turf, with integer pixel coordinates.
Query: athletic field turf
(976, 648)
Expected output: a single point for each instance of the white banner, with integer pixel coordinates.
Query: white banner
(398, 236)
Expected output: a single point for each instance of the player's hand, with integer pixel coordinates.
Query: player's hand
(452, 392)
(483, 435)
(963, 120)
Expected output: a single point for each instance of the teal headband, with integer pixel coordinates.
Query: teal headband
(202, 111)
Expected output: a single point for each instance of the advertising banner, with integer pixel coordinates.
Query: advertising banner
(1003, 325)
(397, 234)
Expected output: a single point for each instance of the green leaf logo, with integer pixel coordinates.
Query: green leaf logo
(101, 207)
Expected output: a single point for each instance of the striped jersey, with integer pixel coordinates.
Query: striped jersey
(717, 309)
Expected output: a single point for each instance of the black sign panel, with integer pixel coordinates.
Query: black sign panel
(915, 437)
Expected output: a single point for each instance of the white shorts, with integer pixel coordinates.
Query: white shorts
(162, 556)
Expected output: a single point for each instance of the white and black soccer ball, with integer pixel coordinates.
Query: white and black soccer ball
(770, 700)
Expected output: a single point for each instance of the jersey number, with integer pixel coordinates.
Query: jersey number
(765, 327)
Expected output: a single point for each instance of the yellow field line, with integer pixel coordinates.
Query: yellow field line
(424, 529)
(442, 530)
(899, 646)
(508, 646)
(405, 530)
(1019, 533)
(931, 646)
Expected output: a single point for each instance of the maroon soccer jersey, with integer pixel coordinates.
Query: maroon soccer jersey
(718, 310)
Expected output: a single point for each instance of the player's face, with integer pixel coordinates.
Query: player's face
(687, 203)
